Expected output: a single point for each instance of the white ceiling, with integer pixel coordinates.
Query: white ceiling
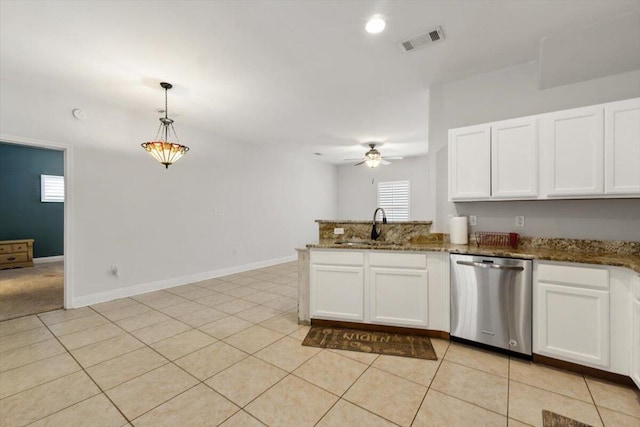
(301, 76)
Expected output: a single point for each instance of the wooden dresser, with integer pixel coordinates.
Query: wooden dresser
(16, 253)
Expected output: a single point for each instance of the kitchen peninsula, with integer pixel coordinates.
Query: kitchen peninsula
(402, 280)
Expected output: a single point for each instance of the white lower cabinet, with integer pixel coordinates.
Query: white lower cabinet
(398, 289)
(337, 285)
(635, 343)
(571, 313)
(635, 332)
(582, 313)
(339, 292)
(399, 297)
(573, 324)
(387, 288)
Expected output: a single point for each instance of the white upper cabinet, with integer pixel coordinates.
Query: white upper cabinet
(572, 152)
(494, 161)
(514, 159)
(622, 147)
(470, 163)
(589, 152)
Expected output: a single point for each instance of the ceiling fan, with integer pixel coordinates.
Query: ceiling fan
(373, 158)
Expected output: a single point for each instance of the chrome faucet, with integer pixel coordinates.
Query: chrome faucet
(375, 232)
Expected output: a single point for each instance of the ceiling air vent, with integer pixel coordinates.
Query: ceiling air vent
(423, 39)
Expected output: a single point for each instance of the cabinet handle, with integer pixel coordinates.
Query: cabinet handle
(11, 258)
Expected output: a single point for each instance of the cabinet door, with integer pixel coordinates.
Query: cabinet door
(470, 163)
(514, 159)
(399, 296)
(337, 292)
(573, 324)
(622, 147)
(635, 343)
(572, 160)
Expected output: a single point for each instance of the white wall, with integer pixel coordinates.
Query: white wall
(159, 225)
(358, 187)
(513, 92)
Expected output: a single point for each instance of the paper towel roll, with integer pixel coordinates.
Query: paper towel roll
(458, 234)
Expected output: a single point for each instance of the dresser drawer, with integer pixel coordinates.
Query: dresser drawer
(5, 249)
(19, 247)
(10, 258)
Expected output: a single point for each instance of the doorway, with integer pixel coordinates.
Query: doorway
(41, 285)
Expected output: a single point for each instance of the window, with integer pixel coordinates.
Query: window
(393, 197)
(51, 188)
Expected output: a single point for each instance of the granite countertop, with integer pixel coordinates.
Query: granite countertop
(630, 261)
(368, 222)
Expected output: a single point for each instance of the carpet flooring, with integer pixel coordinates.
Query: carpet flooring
(25, 291)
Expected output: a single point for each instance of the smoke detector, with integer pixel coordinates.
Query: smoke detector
(432, 36)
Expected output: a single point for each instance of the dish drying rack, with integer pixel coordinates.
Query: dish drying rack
(501, 240)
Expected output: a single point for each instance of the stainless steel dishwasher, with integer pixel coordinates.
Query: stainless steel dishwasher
(491, 301)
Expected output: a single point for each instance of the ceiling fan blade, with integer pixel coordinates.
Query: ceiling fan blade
(392, 157)
(384, 162)
(358, 164)
(352, 160)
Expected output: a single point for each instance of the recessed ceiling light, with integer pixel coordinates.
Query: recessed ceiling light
(375, 24)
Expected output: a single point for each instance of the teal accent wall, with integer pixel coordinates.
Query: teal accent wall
(22, 214)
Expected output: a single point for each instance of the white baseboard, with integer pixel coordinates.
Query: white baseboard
(45, 259)
(144, 288)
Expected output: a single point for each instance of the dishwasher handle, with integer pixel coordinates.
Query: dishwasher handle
(489, 265)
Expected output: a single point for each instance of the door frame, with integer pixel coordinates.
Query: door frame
(68, 203)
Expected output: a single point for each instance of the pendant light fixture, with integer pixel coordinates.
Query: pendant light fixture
(161, 148)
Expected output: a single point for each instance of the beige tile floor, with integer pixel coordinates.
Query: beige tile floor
(228, 352)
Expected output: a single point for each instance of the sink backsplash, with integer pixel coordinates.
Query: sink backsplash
(392, 232)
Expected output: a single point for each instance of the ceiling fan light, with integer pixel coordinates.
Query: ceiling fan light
(372, 163)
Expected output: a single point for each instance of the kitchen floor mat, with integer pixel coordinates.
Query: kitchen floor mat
(551, 419)
(417, 346)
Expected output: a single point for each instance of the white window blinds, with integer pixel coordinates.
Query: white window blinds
(51, 188)
(393, 197)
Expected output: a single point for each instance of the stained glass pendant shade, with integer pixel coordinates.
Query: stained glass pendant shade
(161, 148)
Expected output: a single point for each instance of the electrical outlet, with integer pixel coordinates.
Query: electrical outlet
(217, 212)
(338, 231)
(473, 220)
(520, 221)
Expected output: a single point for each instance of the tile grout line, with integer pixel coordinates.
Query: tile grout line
(199, 382)
(103, 392)
(430, 382)
(593, 399)
(90, 377)
(508, 387)
(203, 382)
(341, 397)
(458, 397)
(35, 361)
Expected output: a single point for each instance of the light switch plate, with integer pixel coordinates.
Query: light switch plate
(473, 220)
(338, 231)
